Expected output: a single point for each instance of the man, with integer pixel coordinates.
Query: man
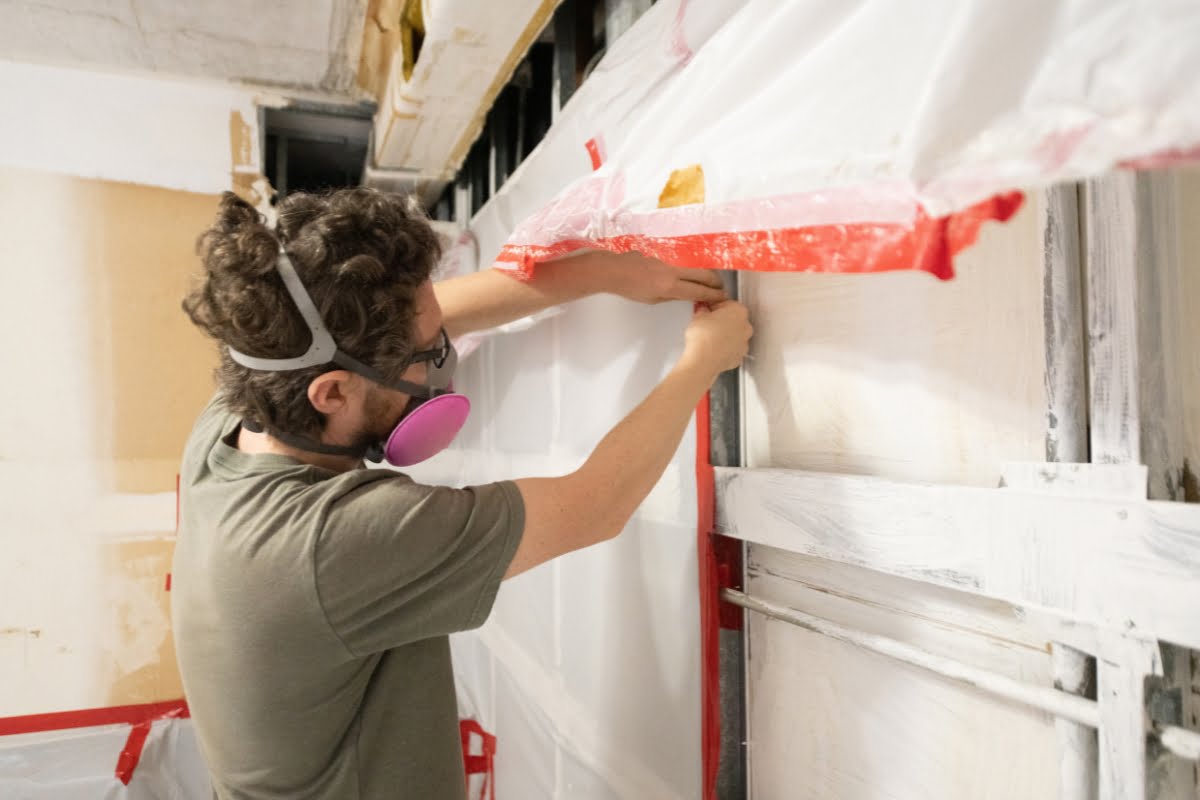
(313, 596)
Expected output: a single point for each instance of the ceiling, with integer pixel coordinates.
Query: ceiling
(312, 44)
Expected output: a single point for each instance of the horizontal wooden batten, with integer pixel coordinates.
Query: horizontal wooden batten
(1180, 741)
(1123, 564)
(1052, 701)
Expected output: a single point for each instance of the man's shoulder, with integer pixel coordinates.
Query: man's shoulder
(210, 426)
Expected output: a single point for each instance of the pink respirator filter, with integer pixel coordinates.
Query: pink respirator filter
(427, 430)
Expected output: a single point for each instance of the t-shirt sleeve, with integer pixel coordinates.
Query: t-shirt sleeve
(396, 561)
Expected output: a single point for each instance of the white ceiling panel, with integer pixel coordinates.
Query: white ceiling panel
(301, 43)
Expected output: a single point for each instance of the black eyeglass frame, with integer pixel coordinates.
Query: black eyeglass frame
(444, 360)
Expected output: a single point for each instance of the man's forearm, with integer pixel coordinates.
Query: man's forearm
(596, 501)
(490, 298)
(629, 461)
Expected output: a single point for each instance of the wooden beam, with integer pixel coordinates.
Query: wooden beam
(1052, 701)
(1122, 667)
(1135, 341)
(1141, 574)
(1134, 331)
(1066, 359)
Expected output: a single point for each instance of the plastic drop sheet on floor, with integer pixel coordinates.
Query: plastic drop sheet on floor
(78, 764)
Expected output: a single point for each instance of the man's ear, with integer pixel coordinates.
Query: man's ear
(330, 391)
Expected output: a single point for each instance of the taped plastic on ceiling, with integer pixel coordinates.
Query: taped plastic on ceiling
(757, 135)
(848, 137)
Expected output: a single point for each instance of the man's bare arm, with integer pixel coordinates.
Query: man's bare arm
(489, 298)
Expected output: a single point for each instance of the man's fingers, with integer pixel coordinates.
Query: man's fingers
(708, 277)
(699, 292)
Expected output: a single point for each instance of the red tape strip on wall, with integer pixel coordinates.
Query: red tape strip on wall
(93, 717)
(141, 717)
(927, 243)
(710, 603)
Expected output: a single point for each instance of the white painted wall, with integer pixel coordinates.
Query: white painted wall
(136, 129)
(48, 642)
(904, 377)
(60, 513)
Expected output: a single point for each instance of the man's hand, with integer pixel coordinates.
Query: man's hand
(718, 336)
(647, 280)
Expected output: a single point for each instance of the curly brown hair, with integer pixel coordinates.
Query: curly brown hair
(361, 254)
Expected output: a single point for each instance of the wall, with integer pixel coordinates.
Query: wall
(103, 192)
(1188, 211)
(1187, 182)
(135, 129)
(904, 377)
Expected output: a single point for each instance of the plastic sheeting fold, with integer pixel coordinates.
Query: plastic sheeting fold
(849, 137)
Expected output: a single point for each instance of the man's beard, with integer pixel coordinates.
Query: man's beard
(382, 417)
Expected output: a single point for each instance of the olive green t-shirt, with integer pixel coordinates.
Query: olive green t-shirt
(311, 610)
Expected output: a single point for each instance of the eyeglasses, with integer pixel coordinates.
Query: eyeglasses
(442, 361)
(438, 355)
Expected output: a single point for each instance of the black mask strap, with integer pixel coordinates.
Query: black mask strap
(371, 452)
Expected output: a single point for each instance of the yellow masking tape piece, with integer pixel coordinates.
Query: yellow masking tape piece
(685, 187)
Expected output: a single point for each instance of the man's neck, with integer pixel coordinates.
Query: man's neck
(251, 442)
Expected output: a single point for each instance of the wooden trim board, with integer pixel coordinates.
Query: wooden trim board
(1140, 575)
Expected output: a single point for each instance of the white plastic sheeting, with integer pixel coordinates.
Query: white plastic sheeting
(830, 136)
(79, 764)
(588, 670)
(849, 125)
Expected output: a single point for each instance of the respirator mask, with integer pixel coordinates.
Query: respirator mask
(435, 413)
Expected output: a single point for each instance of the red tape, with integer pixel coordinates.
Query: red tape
(94, 717)
(727, 553)
(131, 754)
(485, 762)
(710, 602)
(927, 243)
(141, 717)
(595, 148)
